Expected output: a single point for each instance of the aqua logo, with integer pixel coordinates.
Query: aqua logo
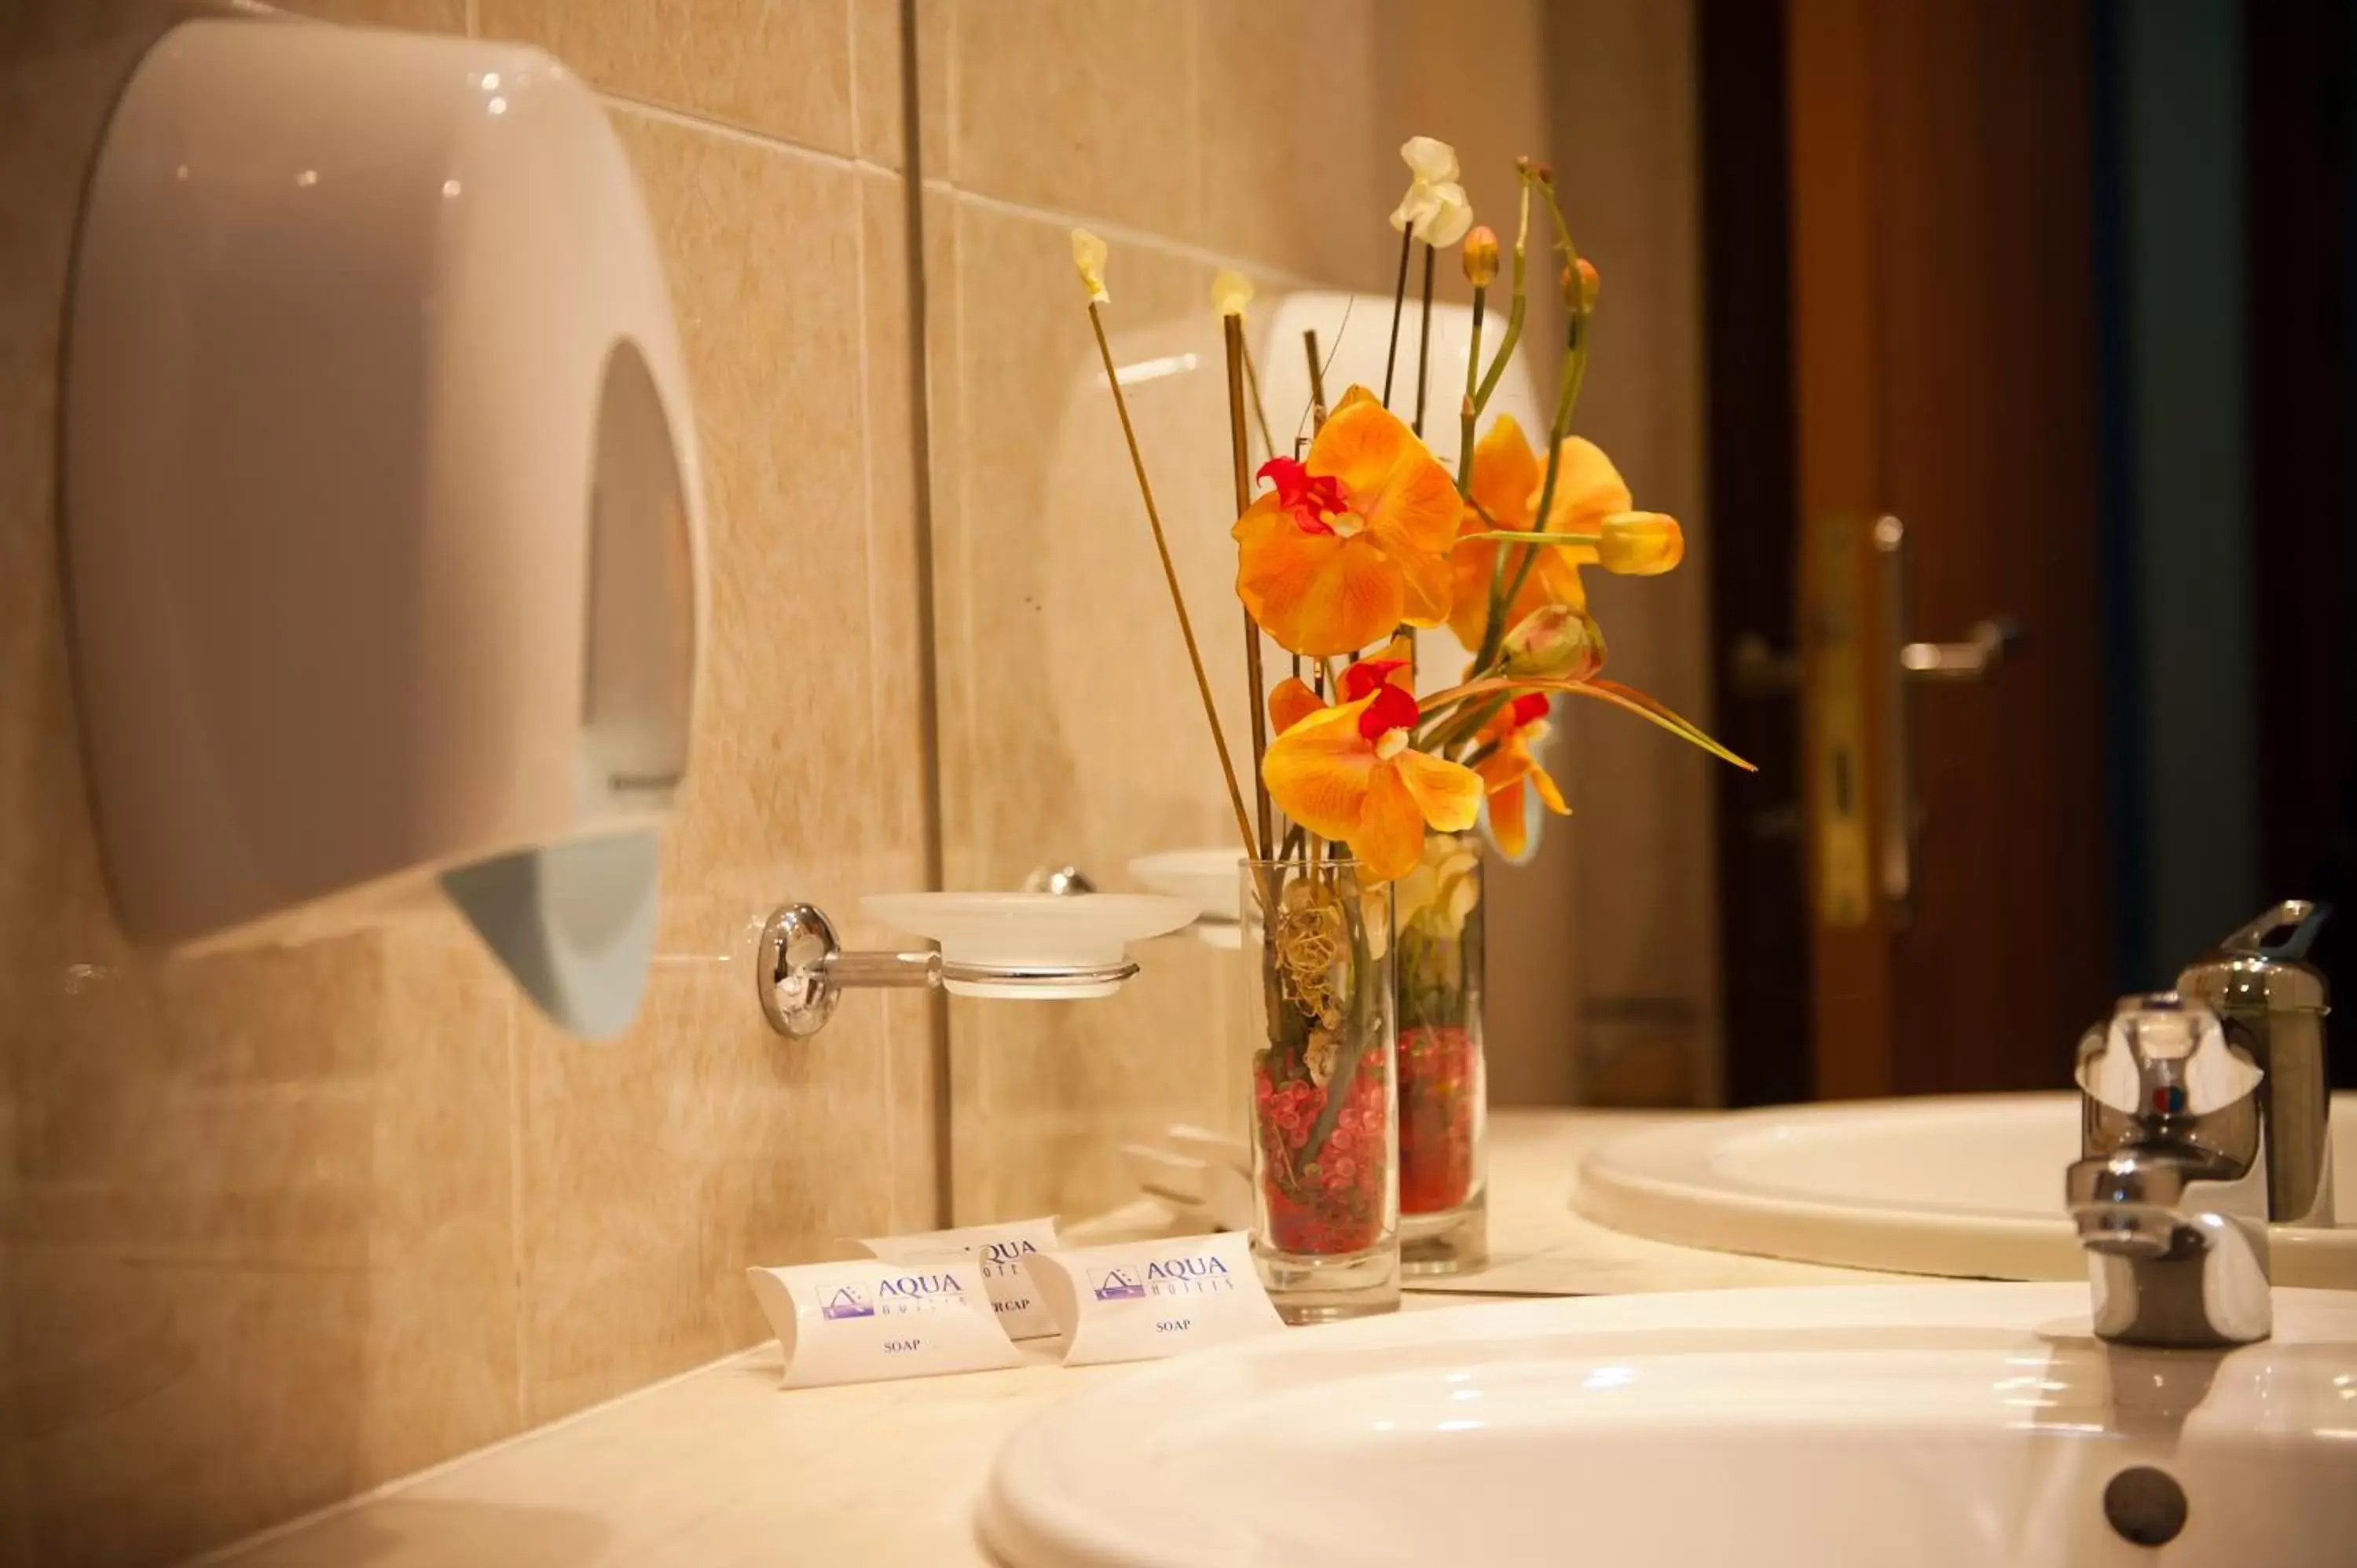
(1177, 1269)
(898, 1296)
(844, 1301)
(1115, 1284)
(1006, 1253)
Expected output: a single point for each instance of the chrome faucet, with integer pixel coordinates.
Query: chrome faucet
(2272, 1002)
(2170, 1198)
(2204, 1116)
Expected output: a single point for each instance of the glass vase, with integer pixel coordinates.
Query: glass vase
(1316, 954)
(1437, 914)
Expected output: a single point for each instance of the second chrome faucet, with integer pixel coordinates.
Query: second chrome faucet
(2203, 1117)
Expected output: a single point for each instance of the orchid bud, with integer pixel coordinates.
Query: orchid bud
(1089, 260)
(1554, 642)
(1482, 257)
(1640, 543)
(1231, 292)
(1590, 286)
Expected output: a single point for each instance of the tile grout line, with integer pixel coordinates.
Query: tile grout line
(920, 450)
(875, 704)
(1122, 233)
(688, 119)
(980, 849)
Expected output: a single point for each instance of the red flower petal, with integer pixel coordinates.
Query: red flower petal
(1388, 709)
(1367, 674)
(1307, 496)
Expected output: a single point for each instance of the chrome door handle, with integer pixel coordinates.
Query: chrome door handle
(1983, 650)
(1756, 668)
(1859, 677)
(1901, 818)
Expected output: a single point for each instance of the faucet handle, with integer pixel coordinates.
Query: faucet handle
(2161, 1058)
(2301, 919)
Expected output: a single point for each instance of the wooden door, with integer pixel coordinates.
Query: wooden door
(1944, 344)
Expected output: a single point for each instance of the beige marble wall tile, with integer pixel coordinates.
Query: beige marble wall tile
(956, 675)
(661, 1165)
(1077, 107)
(902, 671)
(900, 662)
(763, 249)
(260, 1225)
(443, 1247)
(1293, 171)
(1045, 1094)
(1071, 727)
(658, 1167)
(875, 81)
(1478, 79)
(780, 67)
(1051, 587)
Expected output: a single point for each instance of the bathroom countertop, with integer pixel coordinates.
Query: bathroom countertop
(717, 1466)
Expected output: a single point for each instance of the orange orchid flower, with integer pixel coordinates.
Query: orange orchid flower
(1512, 776)
(1354, 540)
(1349, 773)
(1590, 499)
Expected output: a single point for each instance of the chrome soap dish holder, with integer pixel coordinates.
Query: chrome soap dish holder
(1056, 941)
(802, 971)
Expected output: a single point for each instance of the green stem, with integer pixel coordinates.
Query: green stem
(1399, 304)
(1519, 299)
(1423, 345)
(1462, 720)
(1537, 537)
(1575, 371)
(1471, 720)
(1471, 409)
(1503, 593)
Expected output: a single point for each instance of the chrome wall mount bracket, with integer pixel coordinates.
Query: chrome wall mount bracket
(802, 971)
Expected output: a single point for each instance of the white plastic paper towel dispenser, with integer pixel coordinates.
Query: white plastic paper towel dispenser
(383, 524)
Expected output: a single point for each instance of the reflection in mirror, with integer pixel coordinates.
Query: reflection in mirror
(1985, 351)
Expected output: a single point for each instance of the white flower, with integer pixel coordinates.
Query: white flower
(1442, 889)
(1434, 204)
(1231, 292)
(1089, 257)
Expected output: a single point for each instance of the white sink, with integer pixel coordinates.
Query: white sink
(1969, 1186)
(1938, 1426)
